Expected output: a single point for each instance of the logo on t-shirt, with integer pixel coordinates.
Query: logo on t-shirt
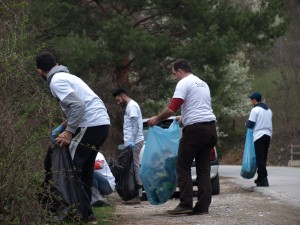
(199, 84)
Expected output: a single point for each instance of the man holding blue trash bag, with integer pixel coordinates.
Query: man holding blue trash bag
(260, 120)
(199, 135)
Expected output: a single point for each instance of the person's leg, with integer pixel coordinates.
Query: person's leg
(83, 149)
(101, 184)
(208, 136)
(186, 154)
(261, 151)
(136, 160)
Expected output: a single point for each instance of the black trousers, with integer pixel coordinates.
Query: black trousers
(84, 148)
(261, 150)
(196, 143)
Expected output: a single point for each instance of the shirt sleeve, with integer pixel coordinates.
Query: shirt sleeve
(175, 104)
(75, 107)
(60, 88)
(135, 128)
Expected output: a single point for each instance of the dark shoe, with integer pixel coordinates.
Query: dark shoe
(180, 210)
(135, 200)
(256, 181)
(198, 211)
(91, 218)
(100, 202)
(262, 183)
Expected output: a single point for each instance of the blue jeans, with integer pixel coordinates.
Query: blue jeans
(101, 184)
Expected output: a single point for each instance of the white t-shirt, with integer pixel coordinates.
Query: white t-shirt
(197, 101)
(132, 110)
(263, 122)
(105, 171)
(95, 114)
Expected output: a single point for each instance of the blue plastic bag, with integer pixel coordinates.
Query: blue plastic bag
(158, 167)
(249, 159)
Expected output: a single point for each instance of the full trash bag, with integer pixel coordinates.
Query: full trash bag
(249, 159)
(64, 196)
(123, 171)
(158, 167)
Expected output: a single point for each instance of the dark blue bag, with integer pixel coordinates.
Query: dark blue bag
(158, 167)
(249, 159)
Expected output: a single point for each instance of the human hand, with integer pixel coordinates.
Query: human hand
(131, 144)
(56, 132)
(179, 119)
(152, 121)
(64, 138)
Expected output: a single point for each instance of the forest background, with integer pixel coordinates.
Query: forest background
(236, 46)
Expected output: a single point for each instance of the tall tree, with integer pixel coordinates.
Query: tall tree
(134, 41)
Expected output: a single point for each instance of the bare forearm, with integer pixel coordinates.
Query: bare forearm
(166, 113)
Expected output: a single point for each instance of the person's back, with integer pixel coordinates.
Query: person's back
(260, 120)
(263, 120)
(63, 83)
(199, 135)
(86, 126)
(197, 100)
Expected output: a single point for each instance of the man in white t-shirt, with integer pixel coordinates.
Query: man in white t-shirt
(87, 124)
(199, 135)
(132, 133)
(103, 180)
(260, 120)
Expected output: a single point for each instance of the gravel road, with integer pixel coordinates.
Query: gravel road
(232, 206)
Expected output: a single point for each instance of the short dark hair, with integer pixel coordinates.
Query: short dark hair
(119, 91)
(45, 61)
(181, 64)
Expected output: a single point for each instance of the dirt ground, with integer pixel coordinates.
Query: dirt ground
(232, 206)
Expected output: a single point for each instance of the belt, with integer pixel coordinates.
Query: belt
(205, 123)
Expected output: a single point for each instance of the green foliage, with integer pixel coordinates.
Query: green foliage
(133, 42)
(23, 118)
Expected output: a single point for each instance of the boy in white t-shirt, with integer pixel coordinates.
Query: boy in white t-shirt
(260, 120)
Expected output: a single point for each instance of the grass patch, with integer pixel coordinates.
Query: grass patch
(103, 214)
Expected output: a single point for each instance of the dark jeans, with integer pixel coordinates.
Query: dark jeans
(261, 150)
(196, 143)
(84, 148)
(101, 184)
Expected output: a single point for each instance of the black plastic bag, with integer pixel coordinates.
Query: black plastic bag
(123, 171)
(64, 196)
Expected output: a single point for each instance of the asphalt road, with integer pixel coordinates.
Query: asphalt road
(284, 182)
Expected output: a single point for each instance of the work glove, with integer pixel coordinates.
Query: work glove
(56, 132)
(131, 144)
